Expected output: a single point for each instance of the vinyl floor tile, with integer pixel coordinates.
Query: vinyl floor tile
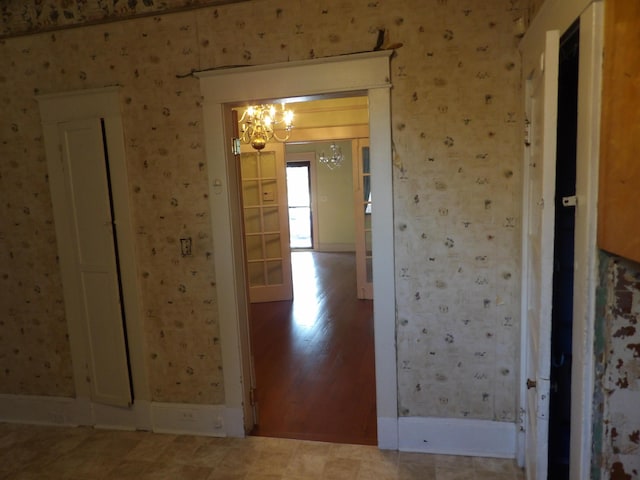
(53, 453)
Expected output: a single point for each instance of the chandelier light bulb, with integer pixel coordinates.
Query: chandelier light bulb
(259, 124)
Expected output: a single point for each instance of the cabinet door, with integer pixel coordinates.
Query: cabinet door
(87, 184)
(618, 212)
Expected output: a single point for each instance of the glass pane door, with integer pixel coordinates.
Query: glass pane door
(266, 226)
(363, 212)
(299, 203)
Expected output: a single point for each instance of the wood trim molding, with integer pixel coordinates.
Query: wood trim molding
(224, 88)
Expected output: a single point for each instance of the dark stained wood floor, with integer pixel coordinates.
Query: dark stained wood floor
(314, 356)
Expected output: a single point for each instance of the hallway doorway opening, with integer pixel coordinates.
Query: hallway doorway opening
(313, 351)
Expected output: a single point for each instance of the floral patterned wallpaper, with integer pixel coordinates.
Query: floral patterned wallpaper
(457, 128)
(458, 140)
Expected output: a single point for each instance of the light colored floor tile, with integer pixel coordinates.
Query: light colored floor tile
(410, 458)
(450, 473)
(307, 465)
(364, 453)
(341, 469)
(150, 447)
(47, 453)
(209, 455)
(172, 471)
(130, 469)
(498, 465)
(378, 471)
(416, 471)
(225, 475)
(269, 462)
(453, 461)
(484, 475)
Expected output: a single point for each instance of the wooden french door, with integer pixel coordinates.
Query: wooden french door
(363, 212)
(266, 223)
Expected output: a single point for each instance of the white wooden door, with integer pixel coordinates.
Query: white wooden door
(363, 210)
(538, 232)
(86, 177)
(266, 223)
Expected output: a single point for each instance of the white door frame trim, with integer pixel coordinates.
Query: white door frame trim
(363, 73)
(559, 15)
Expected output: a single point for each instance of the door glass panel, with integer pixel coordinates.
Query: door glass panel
(250, 192)
(268, 165)
(366, 180)
(252, 220)
(274, 272)
(254, 247)
(249, 165)
(366, 183)
(256, 274)
(369, 269)
(363, 207)
(271, 219)
(272, 246)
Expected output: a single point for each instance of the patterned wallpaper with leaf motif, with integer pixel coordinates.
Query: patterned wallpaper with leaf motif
(457, 128)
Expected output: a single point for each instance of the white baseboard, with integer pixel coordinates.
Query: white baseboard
(136, 417)
(453, 436)
(450, 436)
(41, 410)
(387, 433)
(189, 419)
(175, 418)
(234, 422)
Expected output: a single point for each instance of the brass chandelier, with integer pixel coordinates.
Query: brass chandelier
(258, 124)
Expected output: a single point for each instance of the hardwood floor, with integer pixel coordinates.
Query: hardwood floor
(314, 356)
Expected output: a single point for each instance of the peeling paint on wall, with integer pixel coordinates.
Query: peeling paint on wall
(617, 401)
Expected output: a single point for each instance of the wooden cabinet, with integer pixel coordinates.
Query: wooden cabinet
(619, 195)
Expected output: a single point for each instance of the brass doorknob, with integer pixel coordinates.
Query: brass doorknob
(531, 383)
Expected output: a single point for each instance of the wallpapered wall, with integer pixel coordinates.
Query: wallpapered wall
(458, 139)
(457, 128)
(617, 418)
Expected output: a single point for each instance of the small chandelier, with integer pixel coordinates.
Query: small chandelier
(334, 160)
(258, 123)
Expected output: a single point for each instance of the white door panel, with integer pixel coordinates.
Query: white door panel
(86, 177)
(541, 111)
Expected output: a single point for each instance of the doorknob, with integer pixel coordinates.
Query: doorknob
(531, 383)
